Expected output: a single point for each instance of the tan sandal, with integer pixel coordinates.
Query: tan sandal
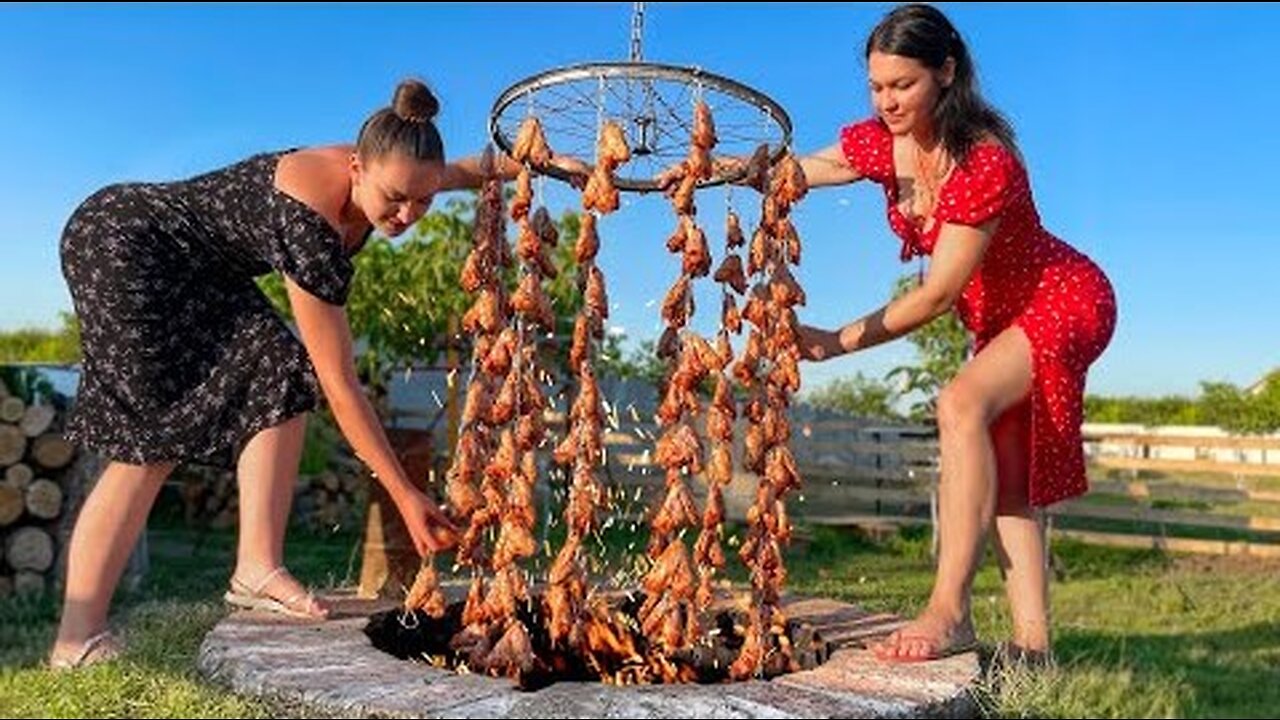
(103, 647)
(298, 605)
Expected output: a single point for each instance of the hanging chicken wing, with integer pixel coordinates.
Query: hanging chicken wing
(730, 272)
(676, 305)
(783, 288)
(594, 296)
(757, 173)
(513, 655)
(704, 127)
(425, 593)
(531, 144)
(523, 198)
(588, 244)
(789, 183)
(697, 255)
(612, 149)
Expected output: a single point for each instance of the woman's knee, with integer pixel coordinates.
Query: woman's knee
(149, 473)
(961, 408)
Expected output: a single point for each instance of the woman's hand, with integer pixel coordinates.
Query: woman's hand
(816, 344)
(430, 529)
(724, 166)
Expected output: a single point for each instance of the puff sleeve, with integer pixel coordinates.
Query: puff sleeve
(868, 147)
(309, 251)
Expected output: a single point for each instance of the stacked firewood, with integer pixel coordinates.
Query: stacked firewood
(582, 449)
(331, 499)
(769, 369)
(209, 495)
(35, 473)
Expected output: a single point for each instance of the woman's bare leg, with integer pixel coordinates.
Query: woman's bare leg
(996, 379)
(105, 534)
(1020, 534)
(267, 472)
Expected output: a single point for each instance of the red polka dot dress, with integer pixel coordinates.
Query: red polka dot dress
(1028, 278)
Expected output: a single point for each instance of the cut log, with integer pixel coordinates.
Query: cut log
(4, 390)
(44, 499)
(52, 451)
(37, 419)
(13, 445)
(19, 475)
(11, 409)
(29, 548)
(26, 582)
(11, 504)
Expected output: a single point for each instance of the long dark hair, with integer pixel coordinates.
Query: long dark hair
(407, 126)
(962, 117)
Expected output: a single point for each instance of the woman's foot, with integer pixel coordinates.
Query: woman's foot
(931, 636)
(1014, 656)
(274, 591)
(101, 647)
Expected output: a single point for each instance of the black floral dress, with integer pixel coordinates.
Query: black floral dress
(184, 357)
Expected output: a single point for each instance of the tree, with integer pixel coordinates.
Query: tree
(642, 363)
(1222, 404)
(34, 345)
(1230, 408)
(1167, 410)
(857, 395)
(942, 347)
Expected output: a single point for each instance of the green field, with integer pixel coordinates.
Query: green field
(1138, 634)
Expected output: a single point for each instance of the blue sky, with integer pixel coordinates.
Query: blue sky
(1149, 132)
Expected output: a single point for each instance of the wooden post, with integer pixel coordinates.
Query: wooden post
(390, 561)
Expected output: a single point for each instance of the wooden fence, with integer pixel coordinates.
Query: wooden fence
(881, 477)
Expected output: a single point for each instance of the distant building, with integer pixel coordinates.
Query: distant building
(1261, 384)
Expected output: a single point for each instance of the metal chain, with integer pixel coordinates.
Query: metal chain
(637, 31)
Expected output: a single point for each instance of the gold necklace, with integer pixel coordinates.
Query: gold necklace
(929, 171)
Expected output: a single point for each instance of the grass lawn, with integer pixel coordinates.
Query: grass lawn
(1138, 633)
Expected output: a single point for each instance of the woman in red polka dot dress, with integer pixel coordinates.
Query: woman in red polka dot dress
(1039, 312)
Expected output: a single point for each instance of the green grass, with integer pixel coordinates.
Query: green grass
(1138, 633)
(164, 622)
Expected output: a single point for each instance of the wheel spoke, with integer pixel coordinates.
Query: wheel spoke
(654, 105)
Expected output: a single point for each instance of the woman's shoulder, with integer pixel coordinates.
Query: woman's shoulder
(989, 151)
(318, 165)
(871, 128)
(318, 177)
(868, 147)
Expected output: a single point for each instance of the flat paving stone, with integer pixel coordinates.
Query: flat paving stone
(332, 667)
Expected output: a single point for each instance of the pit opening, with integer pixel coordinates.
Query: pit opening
(612, 649)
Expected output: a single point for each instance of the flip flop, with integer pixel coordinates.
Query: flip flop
(248, 597)
(103, 647)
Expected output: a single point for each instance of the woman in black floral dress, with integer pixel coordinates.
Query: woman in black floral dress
(184, 358)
